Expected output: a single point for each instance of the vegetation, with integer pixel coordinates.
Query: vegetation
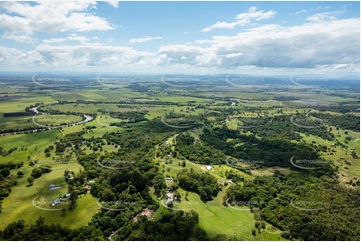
(228, 160)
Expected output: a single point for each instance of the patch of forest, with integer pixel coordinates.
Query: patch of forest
(303, 206)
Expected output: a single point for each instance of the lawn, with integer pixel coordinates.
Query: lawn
(216, 218)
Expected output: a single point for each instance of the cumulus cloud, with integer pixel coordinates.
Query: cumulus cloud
(145, 39)
(327, 44)
(22, 19)
(71, 37)
(21, 39)
(74, 56)
(242, 19)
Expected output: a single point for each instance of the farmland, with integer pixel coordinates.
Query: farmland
(238, 139)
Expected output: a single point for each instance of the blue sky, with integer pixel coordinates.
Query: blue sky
(181, 37)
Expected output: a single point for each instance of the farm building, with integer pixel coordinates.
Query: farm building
(56, 202)
(169, 201)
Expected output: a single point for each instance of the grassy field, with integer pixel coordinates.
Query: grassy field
(19, 105)
(234, 222)
(27, 121)
(19, 204)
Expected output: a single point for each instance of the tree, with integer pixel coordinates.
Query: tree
(108, 195)
(31, 180)
(36, 172)
(70, 188)
(20, 173)
(40, 222)
(253, 232)
(5, 172)
(73, 198)
(263, 225)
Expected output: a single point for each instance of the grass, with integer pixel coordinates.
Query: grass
(19, 204)
(17, 122)
(33, 142)
(19, 105)
(216, 218)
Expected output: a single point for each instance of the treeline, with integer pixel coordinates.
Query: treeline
(303, 206)
(196, 152)
(281, 127)
(131, 116)
(18, 231)
(4, 152)
(6, 183)
(272, 152)
(178, 226)
(341, 108)
(346, 121)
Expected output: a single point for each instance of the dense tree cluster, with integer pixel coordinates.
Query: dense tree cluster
(204, 184)
(345, 121)
(177, 226)
(129, 116)
(303, 205)
(271, 152)
(196, 152)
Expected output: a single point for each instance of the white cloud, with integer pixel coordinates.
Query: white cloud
(22, 19)
(242, 19)
(314, 45)
(325, 16)
(145, 39)
(54, 40)
(348, 5)
(72, 37)
(302, 11)
(112, 3)
(85, 55)
(80, 39)
(21, 39)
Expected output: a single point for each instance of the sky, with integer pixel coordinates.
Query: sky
(263, 38)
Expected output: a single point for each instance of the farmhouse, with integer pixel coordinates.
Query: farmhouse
(209, 168)
(56, 202)
(169, 201)
(169, 195)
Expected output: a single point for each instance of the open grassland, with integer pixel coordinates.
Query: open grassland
(33, 142)
(19, 105)
(55, 120)
(337, 156)
(94, 108)
(17, 122)
(19, 203)
(234, 222)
